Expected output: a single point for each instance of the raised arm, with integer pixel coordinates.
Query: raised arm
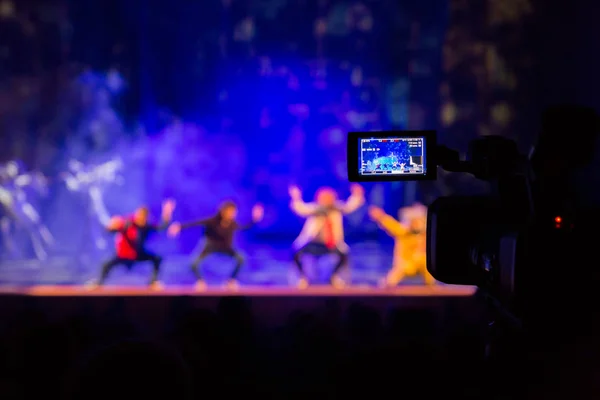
(116, 224)
(386, 222)
(258, 212)
(168, 207)
(297, 205)
(355, 201)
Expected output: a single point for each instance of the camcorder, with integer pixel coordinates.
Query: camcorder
(492, 241)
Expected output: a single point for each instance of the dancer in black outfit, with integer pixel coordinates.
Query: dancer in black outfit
(219, 231)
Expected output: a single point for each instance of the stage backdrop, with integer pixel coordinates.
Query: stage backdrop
(208, 100)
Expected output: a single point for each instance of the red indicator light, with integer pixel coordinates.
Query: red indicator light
(558, 220)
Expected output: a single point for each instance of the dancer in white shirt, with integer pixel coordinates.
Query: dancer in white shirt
(323, 231)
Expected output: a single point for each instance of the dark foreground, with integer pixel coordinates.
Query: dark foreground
(273, 343)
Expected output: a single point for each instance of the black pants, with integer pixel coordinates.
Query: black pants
(211, 249)
(145, 256)
(318, 249)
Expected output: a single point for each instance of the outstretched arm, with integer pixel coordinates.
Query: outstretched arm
(194, 224)
(176, 227)
(355, 201)
(297, 205)
(386, 222)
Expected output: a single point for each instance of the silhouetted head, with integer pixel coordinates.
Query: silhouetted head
(141, 215)
(228, 211)
(326, 197)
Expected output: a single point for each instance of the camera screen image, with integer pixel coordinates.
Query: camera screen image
(393, 156)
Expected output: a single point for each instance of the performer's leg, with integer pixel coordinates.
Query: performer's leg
(313, 248)
(334, 279)
(298, 259)
(196, 266)
(421, 260)
(429, 279)
(37, 225)
(395, 275)
(303, 281)
(342, 261)
(37, 244)
(232, 283)
(239, 261)
(107, 267)
(156, 261)
(32, 225)
(9, 245)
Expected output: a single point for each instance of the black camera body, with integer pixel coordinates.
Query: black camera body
(479, 240)
(495, 241)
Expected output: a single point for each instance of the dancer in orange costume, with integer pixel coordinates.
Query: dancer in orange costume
(411, 238)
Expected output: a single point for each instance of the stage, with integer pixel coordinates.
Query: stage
(267, 285)
(244, 291)
(268, 263)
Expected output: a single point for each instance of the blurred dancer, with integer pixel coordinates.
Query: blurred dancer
(7, 216)
(323, 231)
(219, 231)
(92, 181)
(132, 234)
(411, 238)
(15, 196)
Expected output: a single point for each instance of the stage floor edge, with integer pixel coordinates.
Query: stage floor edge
(254, 291)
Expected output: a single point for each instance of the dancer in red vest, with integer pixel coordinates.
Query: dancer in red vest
(132, 234)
